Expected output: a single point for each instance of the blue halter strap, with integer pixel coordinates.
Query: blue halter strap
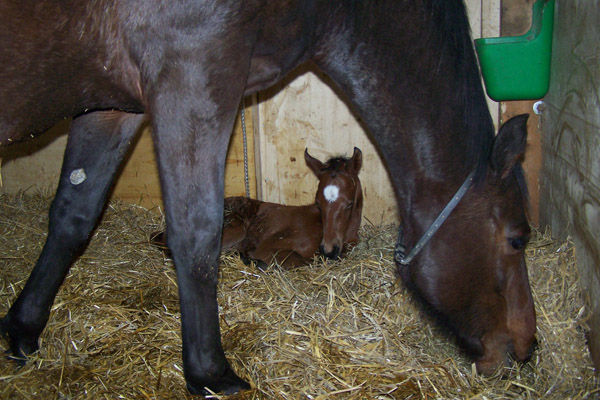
(400, 251)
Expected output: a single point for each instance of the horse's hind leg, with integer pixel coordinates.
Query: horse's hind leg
(233, 234)
(96, 146)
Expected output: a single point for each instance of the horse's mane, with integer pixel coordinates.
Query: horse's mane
(444, 58)
(455, 48)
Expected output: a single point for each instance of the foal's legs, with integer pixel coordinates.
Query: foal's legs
(267, 253)
(96, 146)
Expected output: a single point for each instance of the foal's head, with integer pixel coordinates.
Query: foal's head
(340, 201)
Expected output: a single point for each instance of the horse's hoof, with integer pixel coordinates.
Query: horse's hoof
(19, 346)
(20, 361)
(261, 265)
(245, 259)
(159, 239)
(228, 384)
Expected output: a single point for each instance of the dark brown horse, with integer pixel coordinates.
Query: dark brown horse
(407, 67)
(291, 235)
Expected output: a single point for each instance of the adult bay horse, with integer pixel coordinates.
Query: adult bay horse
(407, 67)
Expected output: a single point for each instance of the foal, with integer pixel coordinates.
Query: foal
(291, 235)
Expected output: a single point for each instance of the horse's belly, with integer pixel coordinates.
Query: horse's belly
(285, 41)
(61, 68)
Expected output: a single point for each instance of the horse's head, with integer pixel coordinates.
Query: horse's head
(340, 201)
(472, 271)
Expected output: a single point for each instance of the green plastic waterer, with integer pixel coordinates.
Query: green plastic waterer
(518, 67)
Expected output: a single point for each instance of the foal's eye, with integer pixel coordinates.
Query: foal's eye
(518, 243)
(349, 205)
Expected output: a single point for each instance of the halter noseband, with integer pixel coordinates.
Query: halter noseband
(400, 251)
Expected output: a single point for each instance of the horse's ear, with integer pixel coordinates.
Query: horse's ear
(315, 165)
(509, 145)
(355, 163)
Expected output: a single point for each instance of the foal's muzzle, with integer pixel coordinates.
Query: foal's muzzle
(334, 254)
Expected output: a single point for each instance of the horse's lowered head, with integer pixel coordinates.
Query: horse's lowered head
(476, 278)
(340, 200)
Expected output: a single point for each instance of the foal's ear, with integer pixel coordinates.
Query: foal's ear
(315, 165)
(509, 145)
(355, 163)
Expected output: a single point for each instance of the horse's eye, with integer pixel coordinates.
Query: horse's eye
(350, 205)
(518, 243)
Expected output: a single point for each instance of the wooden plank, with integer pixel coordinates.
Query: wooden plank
(570, 175)
(234, 169)
(484, 18)
(138, 182)
(34, 165)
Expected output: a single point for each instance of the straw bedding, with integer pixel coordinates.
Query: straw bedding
(339, 330)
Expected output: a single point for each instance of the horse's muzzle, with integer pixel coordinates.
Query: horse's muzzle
(334, 254)
(523, 355)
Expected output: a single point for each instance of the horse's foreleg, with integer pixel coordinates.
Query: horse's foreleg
(191, 135)
(96, 146)
(291, 259)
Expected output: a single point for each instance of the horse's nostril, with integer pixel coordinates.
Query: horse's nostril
(523, 355)
(334, 254)
(532, 348)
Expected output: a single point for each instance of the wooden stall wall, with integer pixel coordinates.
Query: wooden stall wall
(304, 111)
(570, 174)
(35, 165)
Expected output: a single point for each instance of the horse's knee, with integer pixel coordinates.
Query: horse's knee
(71, 222)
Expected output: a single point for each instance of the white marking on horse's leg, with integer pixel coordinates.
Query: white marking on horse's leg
(331, 193)
(78, 176)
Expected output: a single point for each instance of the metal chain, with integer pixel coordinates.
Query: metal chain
(246, 178)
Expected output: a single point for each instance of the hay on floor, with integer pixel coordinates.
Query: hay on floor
(346, 330)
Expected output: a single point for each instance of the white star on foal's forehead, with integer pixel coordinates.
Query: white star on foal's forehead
(331, 193)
